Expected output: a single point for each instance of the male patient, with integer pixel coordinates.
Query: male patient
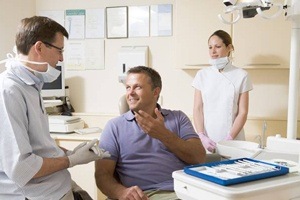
(146, 144)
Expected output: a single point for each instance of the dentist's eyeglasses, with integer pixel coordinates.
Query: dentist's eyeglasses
(61, 50)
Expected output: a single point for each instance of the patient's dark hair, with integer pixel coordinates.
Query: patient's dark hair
(154, 77)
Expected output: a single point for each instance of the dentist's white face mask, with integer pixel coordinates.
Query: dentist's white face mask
(48, 76)
(219, 63)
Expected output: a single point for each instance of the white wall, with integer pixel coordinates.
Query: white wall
(98, 91)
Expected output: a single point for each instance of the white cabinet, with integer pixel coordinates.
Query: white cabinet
(83, 175)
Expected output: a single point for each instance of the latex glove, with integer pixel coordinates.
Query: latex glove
(100, 152)
(207, 142)
(228, 137)
(86, 153)
(68, 153)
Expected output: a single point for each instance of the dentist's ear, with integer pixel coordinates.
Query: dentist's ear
(38, 47)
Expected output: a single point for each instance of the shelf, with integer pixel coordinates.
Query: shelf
(75, 136)
(266, 67)
(195, 66)
(248, 67)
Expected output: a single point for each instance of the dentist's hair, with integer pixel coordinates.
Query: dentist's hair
(37, 28)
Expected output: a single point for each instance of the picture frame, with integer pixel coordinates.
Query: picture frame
(117, 22)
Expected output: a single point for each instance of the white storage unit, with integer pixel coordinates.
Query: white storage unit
(131, 56)
(285, 187)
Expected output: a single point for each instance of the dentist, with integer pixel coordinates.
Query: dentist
(221, 95)
(32, 166)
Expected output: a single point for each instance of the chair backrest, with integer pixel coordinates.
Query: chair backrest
(123, 106)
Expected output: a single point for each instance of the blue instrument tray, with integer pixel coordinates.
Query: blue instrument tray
(235, 171)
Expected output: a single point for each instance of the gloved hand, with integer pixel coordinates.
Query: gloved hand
(100, 152)
(68, 153)
(228, 137)
(207, 142)
(87, 153)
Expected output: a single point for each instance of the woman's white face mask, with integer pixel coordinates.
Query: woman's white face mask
(219, 63)
(48, 76)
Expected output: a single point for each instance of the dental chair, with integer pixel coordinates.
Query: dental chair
(123, 106)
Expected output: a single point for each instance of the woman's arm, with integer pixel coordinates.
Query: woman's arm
(241, 118)
(198, 117)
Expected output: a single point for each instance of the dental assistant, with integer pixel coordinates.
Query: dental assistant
(32, 166)
(221, 95)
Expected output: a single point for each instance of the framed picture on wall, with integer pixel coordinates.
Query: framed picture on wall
(117, 22)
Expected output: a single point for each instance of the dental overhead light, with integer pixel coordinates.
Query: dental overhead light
(251, 8)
